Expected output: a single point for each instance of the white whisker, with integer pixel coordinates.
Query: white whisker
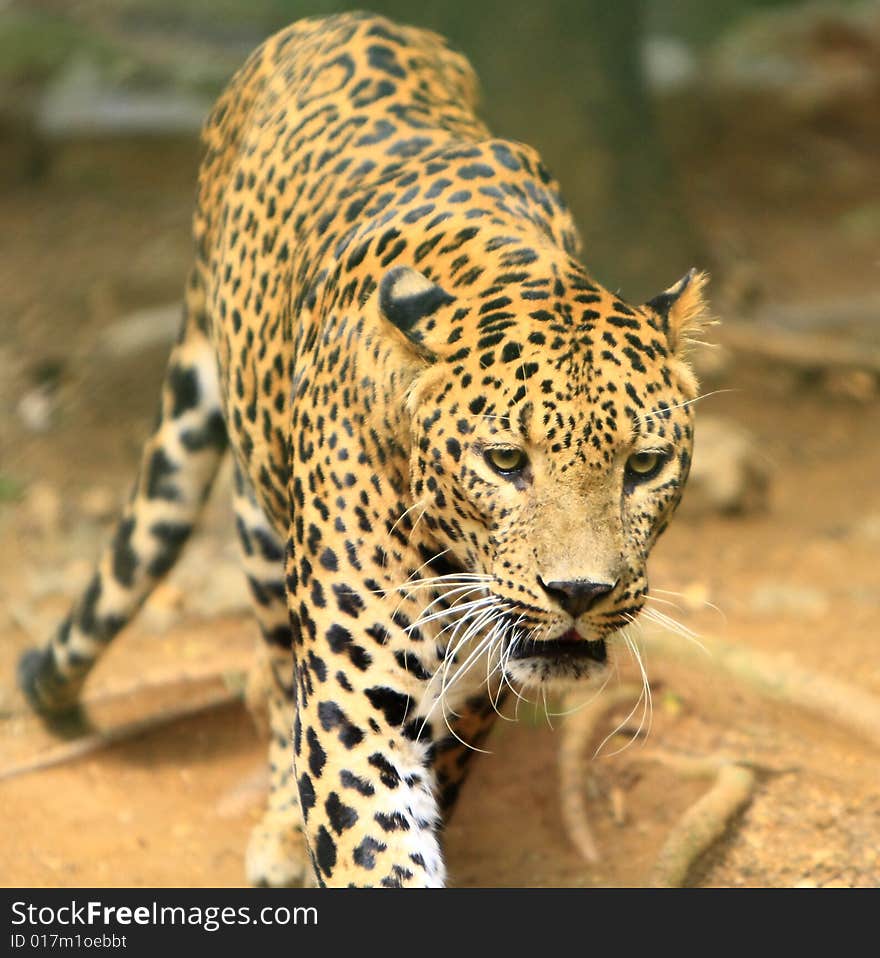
(673, 625)
(705, 603)
(644, 696)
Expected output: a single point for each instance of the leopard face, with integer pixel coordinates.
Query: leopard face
(549, 454)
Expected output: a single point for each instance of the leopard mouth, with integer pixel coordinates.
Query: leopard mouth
(570, 645)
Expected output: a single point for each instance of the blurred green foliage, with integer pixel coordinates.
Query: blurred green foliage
(11, 489)
(34, 44)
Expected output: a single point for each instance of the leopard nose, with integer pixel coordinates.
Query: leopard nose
(578, 595)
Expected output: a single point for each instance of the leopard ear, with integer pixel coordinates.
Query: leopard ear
(682, 310)
(408, 300)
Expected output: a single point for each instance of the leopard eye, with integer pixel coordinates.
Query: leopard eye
(643, 465)
(506, 460)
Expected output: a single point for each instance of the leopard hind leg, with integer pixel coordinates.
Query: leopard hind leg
(276, 854)
(178, 464)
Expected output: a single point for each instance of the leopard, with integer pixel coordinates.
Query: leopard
(453, 449)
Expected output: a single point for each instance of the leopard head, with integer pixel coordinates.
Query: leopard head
(551, 431)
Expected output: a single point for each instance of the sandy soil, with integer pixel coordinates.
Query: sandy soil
(174, 807)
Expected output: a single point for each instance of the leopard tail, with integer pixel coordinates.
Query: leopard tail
(178, 464)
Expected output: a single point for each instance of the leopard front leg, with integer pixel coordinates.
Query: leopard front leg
(370, 812)
(361, 755)
(365, 784)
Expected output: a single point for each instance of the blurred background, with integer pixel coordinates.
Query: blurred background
(739, 136)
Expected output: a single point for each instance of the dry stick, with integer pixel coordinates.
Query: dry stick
(705, 821)
(770, 676)
(697, 829)
(806, 350)
(777, 679)
(103, 738)
(578, 731)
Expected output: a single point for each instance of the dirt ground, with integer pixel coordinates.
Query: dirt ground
(105, 232)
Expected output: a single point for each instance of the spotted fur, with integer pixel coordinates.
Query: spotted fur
(386, 301)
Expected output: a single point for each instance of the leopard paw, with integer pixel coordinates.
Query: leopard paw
(276, 855)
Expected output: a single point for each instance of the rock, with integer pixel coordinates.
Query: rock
(36, 408)
(37, 405)
(669, 63)
(729, 474)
